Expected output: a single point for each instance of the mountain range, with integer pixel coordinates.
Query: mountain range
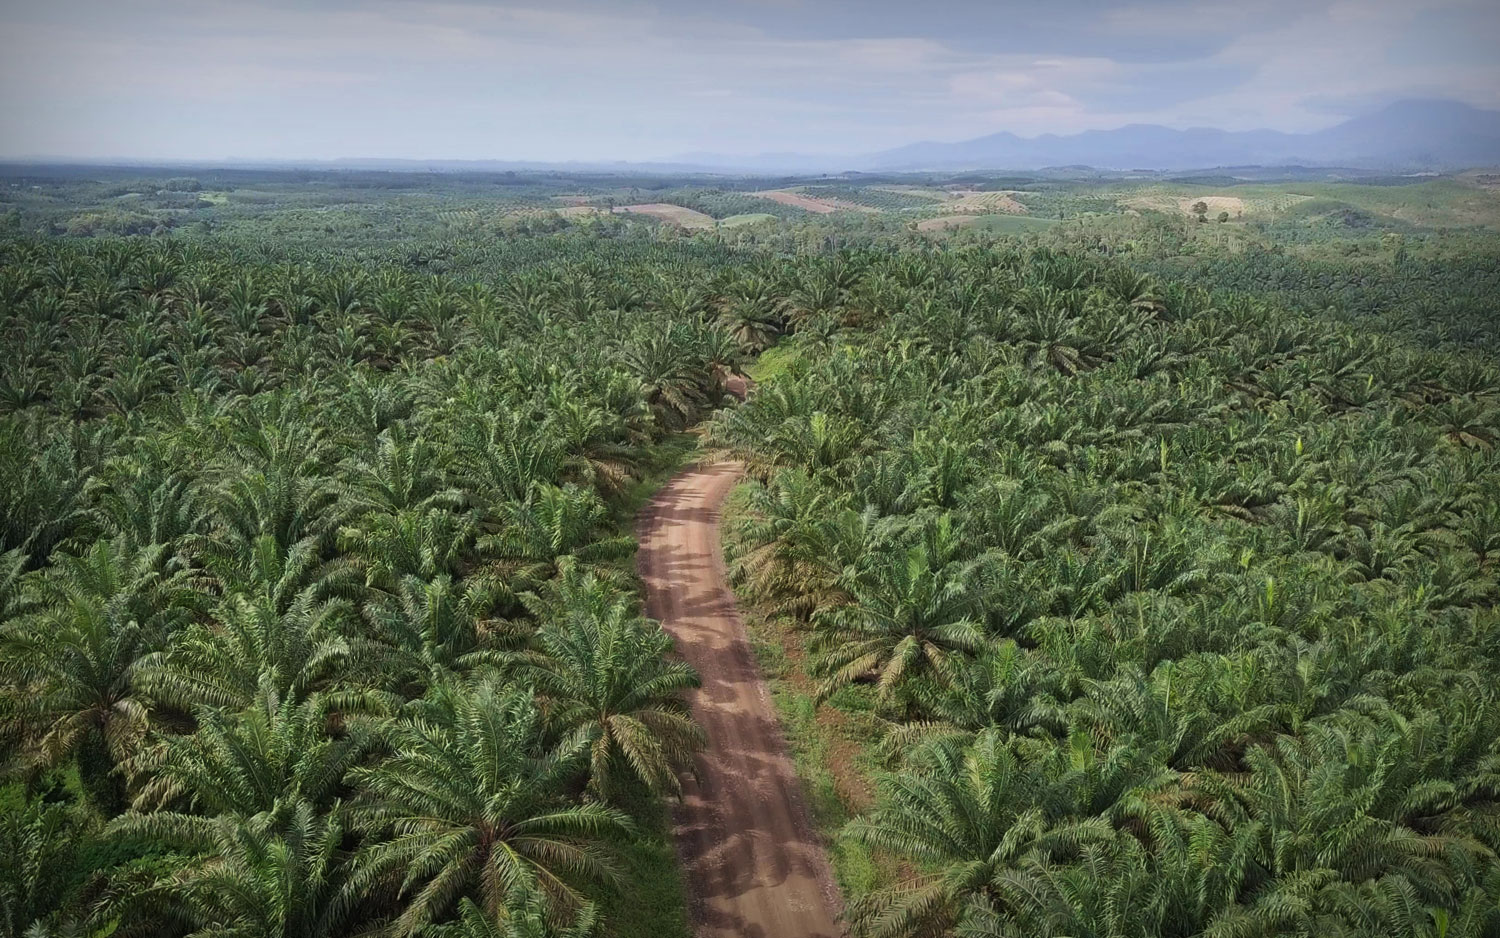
(1411, 135)
(1407, 136)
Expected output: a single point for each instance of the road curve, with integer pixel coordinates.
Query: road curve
(754, 867)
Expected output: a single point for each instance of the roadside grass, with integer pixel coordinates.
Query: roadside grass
(773, 362)
(650, 903)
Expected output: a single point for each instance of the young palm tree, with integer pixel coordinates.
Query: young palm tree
(604, 681)
(72, 665)
(974, 813)
(471, 804)
(909, 616)
(552, 527)
(287, 877)
(525, 916)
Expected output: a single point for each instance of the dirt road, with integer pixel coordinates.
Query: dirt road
(753, 866)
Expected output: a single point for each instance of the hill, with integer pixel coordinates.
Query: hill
(1407, 135)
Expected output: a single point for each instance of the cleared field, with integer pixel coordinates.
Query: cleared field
(810, 204)
(1250, 200)
(1234, 205)
(985, 203)
(673, 214)
(751, 218)
(1000, 224)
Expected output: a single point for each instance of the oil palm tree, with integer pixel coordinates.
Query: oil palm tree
(472, 804)
(287, 876)
(39, 842)
(73, 664)
(972, 814)
(263, 762)
(910, 615)
(605, 681)
(525, 916)
(668, 383)
(553, 526)
(246, 647)
(404, 473)
(797, 540)
(428, 631)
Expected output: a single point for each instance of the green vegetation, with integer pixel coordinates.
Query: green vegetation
(1180, 611)
(1012, 224)
(724, 204)
(883, 199)
(317, 617)
(1117, 573)
(741, 221)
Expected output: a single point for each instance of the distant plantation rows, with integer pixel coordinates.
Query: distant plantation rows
(724, 204)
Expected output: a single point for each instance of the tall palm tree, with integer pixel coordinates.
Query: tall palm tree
(287, 877)
(909, 616)
(405, 472)
(971, 814)
(471, 804)
(72, 665)
(424, 543)
(263, 762)
(246, 647)
(39, 844)
(602, 675)
(525, 916)
(429, 631)
(669, 383)
(754, 319)
(552, 527)
(797, 540)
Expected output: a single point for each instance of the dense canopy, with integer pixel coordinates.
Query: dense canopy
(1174, 606)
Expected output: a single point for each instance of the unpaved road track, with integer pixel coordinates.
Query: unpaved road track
(754, 866)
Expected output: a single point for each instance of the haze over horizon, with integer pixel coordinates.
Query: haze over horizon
(641, 81)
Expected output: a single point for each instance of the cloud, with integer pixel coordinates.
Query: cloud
(641, 79)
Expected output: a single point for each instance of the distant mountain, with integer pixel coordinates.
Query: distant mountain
(1408, 135)
(1405, 136)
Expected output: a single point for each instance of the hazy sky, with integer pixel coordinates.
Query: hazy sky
(651, 79)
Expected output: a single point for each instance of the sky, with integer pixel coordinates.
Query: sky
(647, 80)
